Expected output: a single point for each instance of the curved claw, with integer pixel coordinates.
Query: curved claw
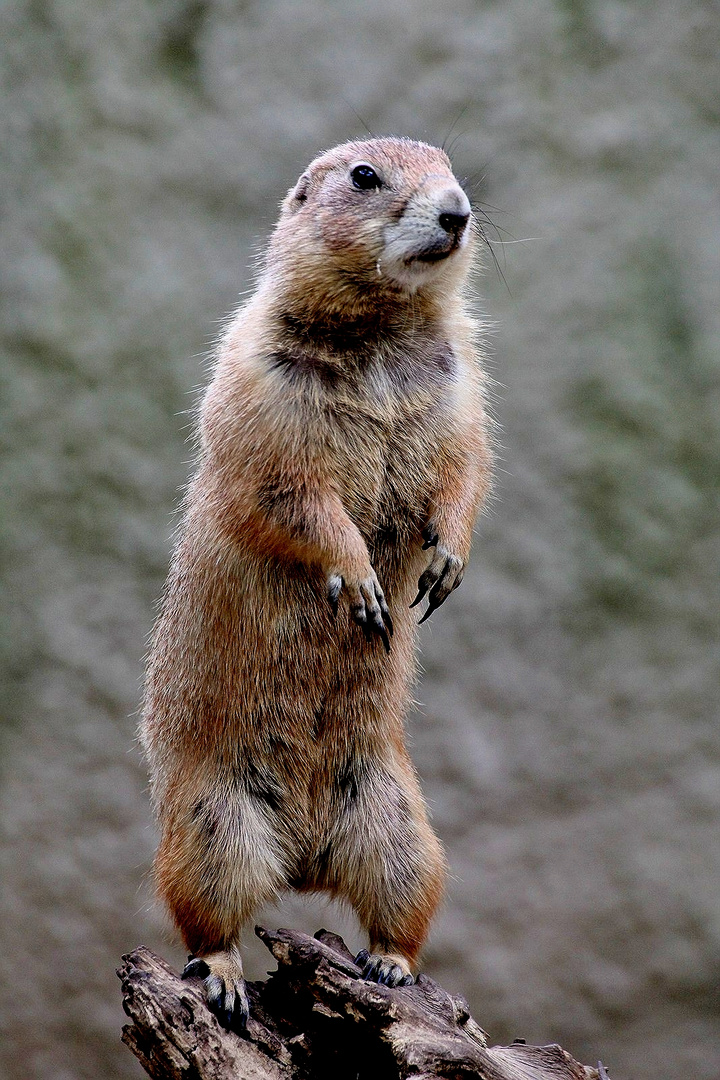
(386, 615)
(442, 576)
(376, 622)
(427, 580)
(226, 998)
(229, 1004)
(385, 639)
(383, 969)
(430, 608)
(368, 607)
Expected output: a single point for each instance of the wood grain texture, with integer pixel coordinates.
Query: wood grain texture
(314, 1017)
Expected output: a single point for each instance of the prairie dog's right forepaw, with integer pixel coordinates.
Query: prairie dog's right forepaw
(368, 606)
(222, 976)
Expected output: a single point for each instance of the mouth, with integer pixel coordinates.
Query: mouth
(433, 255)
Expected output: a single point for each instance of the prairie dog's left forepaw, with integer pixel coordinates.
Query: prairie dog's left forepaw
(444, 574)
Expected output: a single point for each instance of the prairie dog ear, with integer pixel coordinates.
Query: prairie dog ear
(297, 195)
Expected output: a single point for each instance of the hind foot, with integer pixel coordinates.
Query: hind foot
(390, 969)
(222, 976)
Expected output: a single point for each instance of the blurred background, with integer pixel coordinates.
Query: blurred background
(567, 730)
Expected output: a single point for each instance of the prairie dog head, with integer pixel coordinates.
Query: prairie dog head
(371, 221)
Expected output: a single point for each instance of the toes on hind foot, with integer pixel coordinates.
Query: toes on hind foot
(383, 969)
(224, 986)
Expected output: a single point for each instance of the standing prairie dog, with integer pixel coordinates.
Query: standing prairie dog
(344, 457)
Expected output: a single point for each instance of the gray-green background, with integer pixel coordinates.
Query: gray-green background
(567, 734)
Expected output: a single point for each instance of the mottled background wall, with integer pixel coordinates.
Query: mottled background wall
(567, 734)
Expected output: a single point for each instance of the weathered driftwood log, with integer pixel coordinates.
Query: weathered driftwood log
(316, 1018)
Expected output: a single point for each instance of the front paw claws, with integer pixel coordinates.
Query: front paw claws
(368, 606)
(442, 576)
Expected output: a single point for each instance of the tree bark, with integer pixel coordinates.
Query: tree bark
(314, 1018)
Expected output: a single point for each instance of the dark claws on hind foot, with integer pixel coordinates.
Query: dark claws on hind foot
(231, 1010)
(228, 1004)
(382, 970)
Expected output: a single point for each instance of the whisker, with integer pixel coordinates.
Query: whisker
(485, 239)
(454, 124)
(507, 243)
(362, 120)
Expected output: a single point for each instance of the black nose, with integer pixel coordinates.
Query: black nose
(453, 223)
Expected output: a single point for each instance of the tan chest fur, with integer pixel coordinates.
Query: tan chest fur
(342, 435)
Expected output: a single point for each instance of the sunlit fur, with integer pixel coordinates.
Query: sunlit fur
(345, 416)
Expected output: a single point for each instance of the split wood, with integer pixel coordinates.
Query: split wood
(315, 1018)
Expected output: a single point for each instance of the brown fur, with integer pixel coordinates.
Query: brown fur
(345, 417)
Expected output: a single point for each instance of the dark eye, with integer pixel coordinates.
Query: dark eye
(365, 178)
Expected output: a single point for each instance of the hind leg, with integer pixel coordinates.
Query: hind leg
(218, 860)
(387, 862)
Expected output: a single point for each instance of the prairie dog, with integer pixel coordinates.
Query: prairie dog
(344, 457)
